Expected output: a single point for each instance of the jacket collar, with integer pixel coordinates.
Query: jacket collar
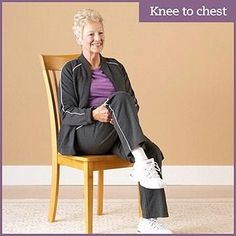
(87, 64)
(106, 70)
(104, 67)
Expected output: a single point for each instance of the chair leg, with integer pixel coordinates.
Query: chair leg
(54, 192)
(139, 204)
(88, 197)
(100, 192)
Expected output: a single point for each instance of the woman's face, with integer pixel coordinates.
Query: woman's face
(93, 38)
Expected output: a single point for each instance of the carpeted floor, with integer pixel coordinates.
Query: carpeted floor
(187, 216)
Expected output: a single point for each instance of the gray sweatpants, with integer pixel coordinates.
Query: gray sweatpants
(120, 138)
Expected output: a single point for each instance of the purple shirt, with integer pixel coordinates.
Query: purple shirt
(101, 88)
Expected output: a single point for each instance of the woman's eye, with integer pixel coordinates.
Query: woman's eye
(91, 34)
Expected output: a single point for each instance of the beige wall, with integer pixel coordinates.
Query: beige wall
(182, 74)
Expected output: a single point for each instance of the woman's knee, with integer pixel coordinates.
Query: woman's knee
(121, 96)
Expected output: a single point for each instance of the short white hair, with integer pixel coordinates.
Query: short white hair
(80, 19)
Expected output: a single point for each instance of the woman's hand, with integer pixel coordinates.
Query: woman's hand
(102, 114)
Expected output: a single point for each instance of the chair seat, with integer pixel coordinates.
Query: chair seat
(97, 162)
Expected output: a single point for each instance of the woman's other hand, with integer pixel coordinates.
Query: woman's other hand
(102, 114)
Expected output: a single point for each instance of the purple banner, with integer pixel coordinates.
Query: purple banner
(187, 10)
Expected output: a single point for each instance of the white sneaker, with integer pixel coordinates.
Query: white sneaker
(151, 226)
(146, 173)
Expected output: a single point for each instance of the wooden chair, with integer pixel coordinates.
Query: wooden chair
(51, 66)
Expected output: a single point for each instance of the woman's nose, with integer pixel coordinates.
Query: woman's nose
(97, 37)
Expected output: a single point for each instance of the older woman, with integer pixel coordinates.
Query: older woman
(98, 111)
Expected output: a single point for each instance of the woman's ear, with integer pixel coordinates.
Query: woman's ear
(79, 40)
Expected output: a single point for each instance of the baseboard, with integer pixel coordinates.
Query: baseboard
(173, 175)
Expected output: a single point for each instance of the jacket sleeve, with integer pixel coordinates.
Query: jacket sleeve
(70, 113)
(128, 87)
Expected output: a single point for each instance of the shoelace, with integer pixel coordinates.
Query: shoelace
(152, 170)
(155, 224)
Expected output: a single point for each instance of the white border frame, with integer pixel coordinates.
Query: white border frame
(173, 175)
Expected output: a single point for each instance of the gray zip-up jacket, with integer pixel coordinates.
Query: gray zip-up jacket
(74, 88)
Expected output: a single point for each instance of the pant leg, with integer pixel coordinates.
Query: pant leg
(96, 138)
(125, 120)
(126, 123)
(153, 201)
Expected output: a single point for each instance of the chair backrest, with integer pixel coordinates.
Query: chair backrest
(51, 66)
